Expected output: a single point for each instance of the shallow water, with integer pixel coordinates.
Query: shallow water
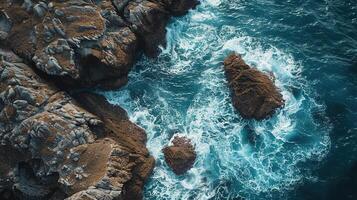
(306, 150)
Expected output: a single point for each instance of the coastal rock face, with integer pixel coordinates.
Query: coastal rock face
(62, 37)
(53, 147)
(180, 156)
(179, 7)
(254, 94)
(128, 136)
(149, 18)
(57, 144)
(87, 43)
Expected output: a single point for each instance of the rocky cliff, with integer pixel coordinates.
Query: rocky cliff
(56, 144)
(87, 42)
(86, 148)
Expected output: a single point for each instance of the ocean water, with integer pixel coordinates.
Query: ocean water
(307, 150)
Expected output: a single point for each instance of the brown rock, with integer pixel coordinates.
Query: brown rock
(86, 148)
(87, 43)
(45, 126)
(62, 147)
(107, 167)
(72, 40)
(148, 21)
(180, 156)
(128, 136)
(254, 94)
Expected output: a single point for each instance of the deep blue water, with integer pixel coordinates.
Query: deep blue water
(308, 150)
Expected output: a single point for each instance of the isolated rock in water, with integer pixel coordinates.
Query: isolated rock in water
(181, 155)
(254, 94)
(52, 144)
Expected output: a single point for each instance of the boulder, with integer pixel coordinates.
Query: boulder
(180, 156)
(253, 92)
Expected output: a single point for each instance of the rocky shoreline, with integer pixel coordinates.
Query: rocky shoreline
(85, 43)
(56, 145)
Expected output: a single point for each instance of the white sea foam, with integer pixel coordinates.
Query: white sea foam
(228, 164)
(213, 2)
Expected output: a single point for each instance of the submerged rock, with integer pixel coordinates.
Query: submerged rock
(180, 156)
(254, 94)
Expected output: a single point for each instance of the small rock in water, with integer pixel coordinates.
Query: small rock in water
(180, 156)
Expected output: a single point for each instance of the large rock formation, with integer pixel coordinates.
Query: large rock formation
(87, 43)
(180, 156)
(52, 146)
(129, 136)
(254, 94)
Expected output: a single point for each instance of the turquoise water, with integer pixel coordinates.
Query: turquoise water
(307, 150)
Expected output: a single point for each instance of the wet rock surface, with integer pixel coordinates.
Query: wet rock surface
(254, 94)
(180, 156)
(88, 43)
(58, 144)
(130, 137)
(52, 145)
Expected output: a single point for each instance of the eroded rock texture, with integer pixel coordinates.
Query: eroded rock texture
(254, 94)
(180, 156)
(128, 136)
(87, 43)
(52, 146)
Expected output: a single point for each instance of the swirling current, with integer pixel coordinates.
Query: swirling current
(307, 150)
